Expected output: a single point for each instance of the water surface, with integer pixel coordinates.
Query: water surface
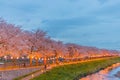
(106, 74)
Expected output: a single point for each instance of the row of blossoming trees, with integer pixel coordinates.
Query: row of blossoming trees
(17, 43)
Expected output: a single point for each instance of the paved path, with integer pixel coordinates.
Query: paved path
(13, 73)
(36, 74)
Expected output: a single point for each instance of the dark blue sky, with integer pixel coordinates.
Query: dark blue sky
(85, 22)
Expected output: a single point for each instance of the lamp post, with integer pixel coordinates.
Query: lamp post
(5, 58)
(45, 62)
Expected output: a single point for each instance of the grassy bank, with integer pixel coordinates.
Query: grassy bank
(76, 71)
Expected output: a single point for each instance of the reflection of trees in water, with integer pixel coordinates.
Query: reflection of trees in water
(99, 76)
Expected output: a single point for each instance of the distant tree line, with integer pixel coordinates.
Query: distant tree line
(17, 42)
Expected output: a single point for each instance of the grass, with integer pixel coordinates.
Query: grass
(77, 71)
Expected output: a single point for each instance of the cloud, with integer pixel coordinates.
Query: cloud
(86, 22)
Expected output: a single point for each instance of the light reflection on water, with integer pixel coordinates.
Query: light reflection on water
(105, 74)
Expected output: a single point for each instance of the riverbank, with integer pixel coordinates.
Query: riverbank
(77, 71)
(105, 74)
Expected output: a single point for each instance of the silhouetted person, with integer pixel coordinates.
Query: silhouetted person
(45, 67)
(24, 65)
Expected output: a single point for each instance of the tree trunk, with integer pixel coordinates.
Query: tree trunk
(30, 61)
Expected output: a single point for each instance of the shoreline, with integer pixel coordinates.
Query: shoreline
(103, 72)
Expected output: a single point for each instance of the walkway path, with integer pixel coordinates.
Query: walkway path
(13, 73)
(36, 74)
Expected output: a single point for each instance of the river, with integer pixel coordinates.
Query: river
(106, 74)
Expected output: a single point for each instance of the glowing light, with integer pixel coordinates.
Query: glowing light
(35, 57)
(11, 57)
(45, 59)
(32, 75)
(17, 57)
(22, 57)
(28, 57)
(5, 57)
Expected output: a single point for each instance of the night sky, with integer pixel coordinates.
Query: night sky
(85, 22)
